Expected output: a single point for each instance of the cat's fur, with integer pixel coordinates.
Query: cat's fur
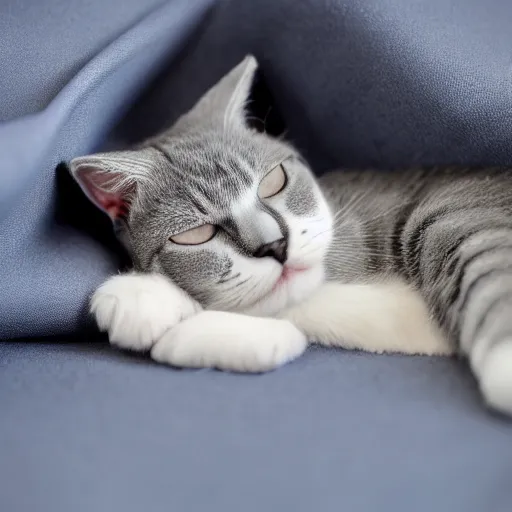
(413, 262)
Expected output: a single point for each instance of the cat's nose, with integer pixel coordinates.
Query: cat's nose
(276, 249)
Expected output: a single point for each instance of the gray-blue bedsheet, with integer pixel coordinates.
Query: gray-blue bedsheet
(358, 82)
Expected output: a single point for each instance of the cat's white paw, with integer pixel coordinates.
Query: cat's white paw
(136, 309)
(496, 377)
(230, 341)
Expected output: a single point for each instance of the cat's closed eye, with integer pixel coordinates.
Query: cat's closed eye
(195, 236)
(272, 183)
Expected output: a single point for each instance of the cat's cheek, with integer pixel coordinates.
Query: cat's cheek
(309, 240)
(248, 281)
(197, 269)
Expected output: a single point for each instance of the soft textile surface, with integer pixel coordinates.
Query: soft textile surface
(48, 267)
(384, 82)
(86, 429)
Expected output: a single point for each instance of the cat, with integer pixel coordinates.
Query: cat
(242, 257)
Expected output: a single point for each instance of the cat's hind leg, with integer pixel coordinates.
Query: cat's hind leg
(484, 311)
(465, 267)
(496, 376)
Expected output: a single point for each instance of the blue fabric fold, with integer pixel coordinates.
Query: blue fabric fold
(48, 270)
(380, 82)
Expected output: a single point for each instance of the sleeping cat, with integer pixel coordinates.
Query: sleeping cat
(242, 257)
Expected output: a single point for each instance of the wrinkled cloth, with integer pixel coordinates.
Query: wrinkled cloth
(85, 428)
(373, 82)
(358, 83)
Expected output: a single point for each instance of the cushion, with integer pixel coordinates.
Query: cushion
(86, 428)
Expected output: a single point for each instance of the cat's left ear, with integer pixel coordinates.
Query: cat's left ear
(110, 180)
(224, 104)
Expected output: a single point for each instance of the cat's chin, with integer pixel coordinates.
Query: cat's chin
(297, 286)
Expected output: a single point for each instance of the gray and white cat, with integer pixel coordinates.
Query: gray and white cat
(242, 257)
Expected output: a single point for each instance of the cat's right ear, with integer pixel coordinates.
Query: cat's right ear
(224, 104)
(110, 180)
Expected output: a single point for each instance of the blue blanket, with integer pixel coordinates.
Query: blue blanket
(373, 82)
(358, 82)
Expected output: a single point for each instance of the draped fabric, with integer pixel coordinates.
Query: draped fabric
(358, 82)
(372, 82)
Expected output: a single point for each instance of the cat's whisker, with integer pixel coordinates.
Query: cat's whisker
(249, 295)
(352, 237)
(365, 237)
(225, 279)
(391, 210)
(352, 203)
(362, 255)
(349, 259)
(312, 252)
(365, 222)
(358, 247)
(347, 268)
(237, 285)
(314, 221)
(318, 234)
(361, 252)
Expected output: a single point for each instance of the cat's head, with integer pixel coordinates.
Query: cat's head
(231, 215)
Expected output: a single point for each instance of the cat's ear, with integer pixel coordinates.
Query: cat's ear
(225, 102)
(110, 180)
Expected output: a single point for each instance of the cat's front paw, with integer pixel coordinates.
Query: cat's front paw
(136, 309)
(496, 377)
(230, 341)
